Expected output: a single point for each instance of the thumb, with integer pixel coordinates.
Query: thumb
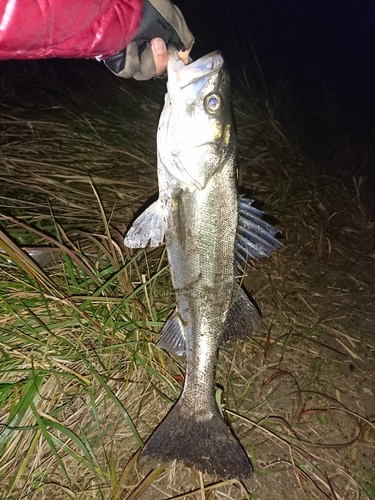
(160, 54)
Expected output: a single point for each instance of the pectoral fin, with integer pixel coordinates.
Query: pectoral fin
(172, 335)
(148, 227)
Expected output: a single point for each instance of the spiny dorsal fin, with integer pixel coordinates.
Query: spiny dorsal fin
(255, 237)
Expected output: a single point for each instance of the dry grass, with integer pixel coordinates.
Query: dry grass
(81, 383)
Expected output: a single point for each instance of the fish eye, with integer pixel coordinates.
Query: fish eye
(213, 103)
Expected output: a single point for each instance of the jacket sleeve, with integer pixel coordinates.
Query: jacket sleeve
(36, 29)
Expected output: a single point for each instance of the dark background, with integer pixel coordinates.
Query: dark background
(311, 54)
(334, 39)
(332, 42)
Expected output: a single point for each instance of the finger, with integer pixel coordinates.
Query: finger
(160, 53)
(146, 64)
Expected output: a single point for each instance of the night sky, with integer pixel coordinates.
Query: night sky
(332, 39)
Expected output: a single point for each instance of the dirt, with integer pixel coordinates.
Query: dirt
(322, 385)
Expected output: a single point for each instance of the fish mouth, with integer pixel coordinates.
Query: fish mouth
(195, 74)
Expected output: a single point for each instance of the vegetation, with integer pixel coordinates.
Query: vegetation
(82, 385)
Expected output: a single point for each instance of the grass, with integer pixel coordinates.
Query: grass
(72, 346)
(81, 383)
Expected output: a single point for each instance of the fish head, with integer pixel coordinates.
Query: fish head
(195, 135)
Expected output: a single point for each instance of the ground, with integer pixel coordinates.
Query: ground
(82, 383)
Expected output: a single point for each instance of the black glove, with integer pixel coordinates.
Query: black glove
(160, 19)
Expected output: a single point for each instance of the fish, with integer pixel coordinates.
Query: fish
(210, 234)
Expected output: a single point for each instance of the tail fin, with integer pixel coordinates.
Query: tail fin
(205, 443)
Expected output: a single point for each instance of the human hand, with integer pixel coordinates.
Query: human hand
(146, 56)
(160, 55)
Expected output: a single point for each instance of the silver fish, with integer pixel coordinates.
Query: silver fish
(208, 231)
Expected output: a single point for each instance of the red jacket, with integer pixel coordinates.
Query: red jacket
(36, 29)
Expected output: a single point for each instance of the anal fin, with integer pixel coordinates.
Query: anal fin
(172, 335)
